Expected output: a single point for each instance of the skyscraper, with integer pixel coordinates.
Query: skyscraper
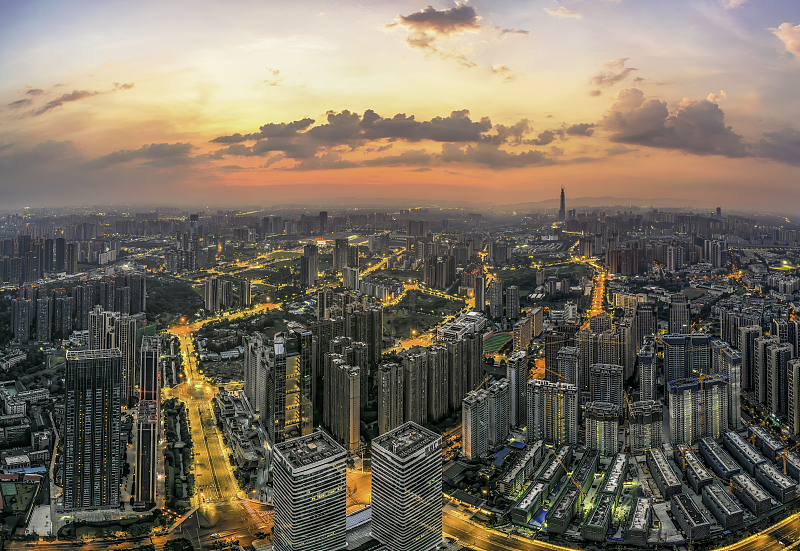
(148, 384)
(793, 395)
(517, 375)
(568, 364)
(512, 302)
(648, 369)
(602, 427)
(310, 486)
(562, 210)
(390, 396)
(647, 420)
(747, 342)
(731, 365)
(407, 489)
(480, 294)
(760, 363)
(496, 298)
(92, 399)
(115, 330)
(552, 412)
(344, 420)
(340, 254)
(778, 355)
(679, 315)
(475, 424)
(309, 265)
(606, 384)
(290, 406)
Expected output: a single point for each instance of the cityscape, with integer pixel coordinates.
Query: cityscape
(388, 276)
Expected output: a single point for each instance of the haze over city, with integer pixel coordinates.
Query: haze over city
(480, 102)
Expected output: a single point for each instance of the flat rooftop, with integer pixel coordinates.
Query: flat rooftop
(689, 507)
(768, 438)
(601, 513)
(785, 482)
(406, 440)
(533, 494)
(750, 453)
(310, 449)
(720, 496)
(719, 455)
(565, 504)
(616, 474)
(639, 520)
(756, 492)
(667, 474)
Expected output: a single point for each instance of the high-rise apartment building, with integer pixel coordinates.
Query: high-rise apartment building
(698, 408)
(496, 298)
(646, 424)
(391, 383)
(475, 424)
(499, 411)
(552, 412)
(760, 363)
(606, 384)
(686, 355)
(407, 489)
(115, 330)
(44, 319)
(568, 361)
(340, 249)
(255, 373)
(680, 322)
(290, 407)
(512, 302)
(747, 343)
(523, 333)
(602, 427)
(517, 375)
(92, 417)
(648, 369)
(148, 388)
(344, 417)
(730, 364)
(675, 259)
(645, 321)
(218, 294)
(309, 265)
(778, 355)
(310, 487)
(793, 395)
(480, 294)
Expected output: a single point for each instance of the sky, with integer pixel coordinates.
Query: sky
(269, 102)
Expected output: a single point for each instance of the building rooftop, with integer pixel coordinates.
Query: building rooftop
(744, 447)
(720, 496)
(664, 470)
(646, 407)
(769, 440)
(565, 504)
(533, 494)
(600, 514)
(85, 354)
(310, 449)
(587, 466)
(406, 440)
(639, 517)
(719, 455)
(698, 470)
(616, 474)
(552, 468)
(690, 509)
(747, 484)
(783, 481)
(519, 463)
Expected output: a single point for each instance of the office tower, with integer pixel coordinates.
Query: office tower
(44, 319)
(674, 258)
(255, 373)
(523, 333)
(517, 375)
(499, 410)
(606, 384)
(92, 400)
(552, 412)
(407, 489)
(496, 298)
(679, 315)
(290, 407)
(480, 294)
(415, 379)
(475, 424)
(350, 278)
(345, 405)
(778, 355)
(309, 265)
(645, 320)
(648, 369)
(512, 302)
(115, 330)
(747, 342)
(568, 361)
(731, 365)
(310, 487)
(61, 254)
(647, 420)
(148, 384)
(602, 427)
(340, 254)
(72, 258)
(390, 396)
(562, 210)
(760, 361)
(793, 395)
(21, 317)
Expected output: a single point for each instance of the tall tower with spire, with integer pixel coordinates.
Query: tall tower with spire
(562, 212)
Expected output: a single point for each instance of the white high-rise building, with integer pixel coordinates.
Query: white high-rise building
(310, 486)
(602, 427)
(568, 361)
(499, 410)
(552, 412)
(517, 375)
(475, 424)
(731, 365)
(606, 384)
(648, 369)
(407, 489)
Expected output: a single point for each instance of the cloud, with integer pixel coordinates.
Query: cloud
(34, 92)
(508, 74)
(562, 12)
(156, 154)
(695, 126)
(421, 169)
(543, 138)
(502, 32)
(75, 95)
(14, 159)
(716, 98)
(448, 21)
(783, 145)
(492, 156)
(619, 150)
(275, 72)
(20, 103)
(617, 72)
(270, 130)
(123, 86)
(595, 93)
(232, 167)
(581, 129)
(790, 36)
(324, 162)
(410, 157)
(730, 4)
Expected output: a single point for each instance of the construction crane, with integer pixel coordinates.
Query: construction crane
(753, 433)
(569, 474)
(783, 454)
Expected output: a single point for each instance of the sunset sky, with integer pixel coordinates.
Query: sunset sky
(267, 102)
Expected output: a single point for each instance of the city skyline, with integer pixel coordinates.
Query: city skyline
(479, 102)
